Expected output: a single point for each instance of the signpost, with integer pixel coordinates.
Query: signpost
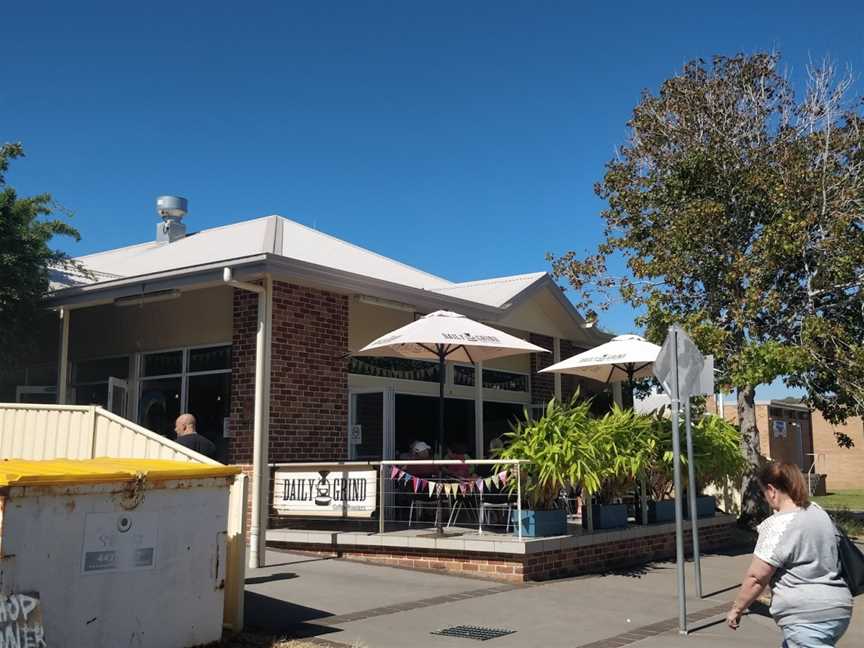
(678, 367)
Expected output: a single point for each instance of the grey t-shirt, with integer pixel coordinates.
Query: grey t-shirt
(807, 586)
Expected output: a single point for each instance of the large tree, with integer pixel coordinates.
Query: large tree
(737, 210)
(26, 229)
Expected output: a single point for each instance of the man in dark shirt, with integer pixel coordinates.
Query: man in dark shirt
(188, 437)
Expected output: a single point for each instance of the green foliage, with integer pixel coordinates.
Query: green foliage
(562, 448)
(627, 447)
(25, 259)
(736, 208)
(716, 451)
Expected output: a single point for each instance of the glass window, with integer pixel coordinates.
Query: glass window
(463, 375)
(498, 419)
(159, 405)
(210, 359)
(417, 420)
(505, 380)
(91, 371)
(209, 401)
(44, 374)
(399, 368)
(92, 394)
(162, 364)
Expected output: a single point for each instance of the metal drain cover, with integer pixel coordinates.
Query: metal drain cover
(473, 632)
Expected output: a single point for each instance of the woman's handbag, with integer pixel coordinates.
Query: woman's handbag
(851, 563)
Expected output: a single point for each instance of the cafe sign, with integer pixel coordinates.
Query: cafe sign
(332, 492)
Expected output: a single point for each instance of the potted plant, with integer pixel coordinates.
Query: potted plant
(717, 455)
(625, 447)
(559, 455)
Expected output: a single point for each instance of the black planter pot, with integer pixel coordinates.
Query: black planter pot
(538, 524)
(607, 516)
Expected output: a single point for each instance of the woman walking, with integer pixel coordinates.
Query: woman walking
(796, 555)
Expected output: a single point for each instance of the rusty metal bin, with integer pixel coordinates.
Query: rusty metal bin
(113, 552)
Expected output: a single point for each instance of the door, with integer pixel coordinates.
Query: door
(118, 396)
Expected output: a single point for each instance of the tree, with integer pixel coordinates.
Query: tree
(737, 212)
(25, 260)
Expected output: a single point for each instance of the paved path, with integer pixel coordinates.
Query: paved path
(383, 607)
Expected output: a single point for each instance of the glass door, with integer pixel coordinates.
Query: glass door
(118, 396)
(366, 426)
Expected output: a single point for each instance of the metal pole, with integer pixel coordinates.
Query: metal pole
(691, 490)
(441, 379)
(679, 513)
(519, 499)
(63, 377)
(643, 485)
(588, 509)
(381, 501)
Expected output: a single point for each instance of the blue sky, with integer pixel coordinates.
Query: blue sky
(389, 124)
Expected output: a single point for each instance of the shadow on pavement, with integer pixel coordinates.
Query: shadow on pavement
(273, 616)
(269, 578)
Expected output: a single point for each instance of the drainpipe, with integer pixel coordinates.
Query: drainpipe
(63, 377)
(258, 444)
(556, 358)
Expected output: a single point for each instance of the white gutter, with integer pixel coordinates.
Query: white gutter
(258, 442)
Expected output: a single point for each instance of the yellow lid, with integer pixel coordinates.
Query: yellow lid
(25, 472)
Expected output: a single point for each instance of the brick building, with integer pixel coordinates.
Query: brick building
(789, 431)
(171, 325)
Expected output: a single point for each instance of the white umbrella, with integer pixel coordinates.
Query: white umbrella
(623, 358)
(444, 335)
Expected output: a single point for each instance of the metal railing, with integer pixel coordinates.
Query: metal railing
(396, 494)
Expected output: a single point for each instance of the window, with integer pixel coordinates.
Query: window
(505, 380)
(195, 380)
(90, 378)
(398, 368)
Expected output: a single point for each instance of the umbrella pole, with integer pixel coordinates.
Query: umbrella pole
(439, 522)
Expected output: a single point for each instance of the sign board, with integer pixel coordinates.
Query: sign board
(779, 428)
(706, 378)
(226, 427)
(355, 436)
(339, 491)
(690, 364)
(21, 620)
(119, 542)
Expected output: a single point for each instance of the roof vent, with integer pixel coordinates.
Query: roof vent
(172, 209)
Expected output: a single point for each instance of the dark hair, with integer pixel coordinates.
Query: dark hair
(785, 477)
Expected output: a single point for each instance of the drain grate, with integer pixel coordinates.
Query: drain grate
(473, 632)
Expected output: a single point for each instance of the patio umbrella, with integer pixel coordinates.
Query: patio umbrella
(623, 358)
(442, 336)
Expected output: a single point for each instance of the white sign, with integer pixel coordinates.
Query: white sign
(779, 428)
(706, 378)
(690, 363)
(355, 437)
(119, 542)
(342, 491)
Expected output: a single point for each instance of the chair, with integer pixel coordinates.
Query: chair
(425, 504)
(490, 506)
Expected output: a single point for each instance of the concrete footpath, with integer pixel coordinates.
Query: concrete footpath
(383, 607)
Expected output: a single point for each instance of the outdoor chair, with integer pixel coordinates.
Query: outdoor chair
(422, 504)
(486, 507)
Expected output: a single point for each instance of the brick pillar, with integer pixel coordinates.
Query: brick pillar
(542, 385)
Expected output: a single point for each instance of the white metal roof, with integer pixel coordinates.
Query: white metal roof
(497, 291)
(268, 235)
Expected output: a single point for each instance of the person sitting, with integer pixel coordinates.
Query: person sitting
(420, 451)
(460, 453)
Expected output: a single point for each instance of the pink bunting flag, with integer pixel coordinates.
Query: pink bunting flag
(480, 485)
(503, 477)
(415, 481)
(463, 487)
(393, 472)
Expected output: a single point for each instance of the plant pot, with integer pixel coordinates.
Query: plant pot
(658, 512)
(705, 506)
(607, 516)
(538, 524)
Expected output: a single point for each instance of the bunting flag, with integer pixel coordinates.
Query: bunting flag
(405, 476)
(463, 487)
(488, 482)
(480, 485)
(415, 481)
(496, 480)
(439, 487)
(431, 488)
(393, 472)
(471, 486)
(503, 477)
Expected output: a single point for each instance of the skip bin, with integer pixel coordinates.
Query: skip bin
(112, 552)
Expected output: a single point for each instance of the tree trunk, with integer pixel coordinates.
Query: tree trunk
(753, 506)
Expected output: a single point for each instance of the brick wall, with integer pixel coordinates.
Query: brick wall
(309, 379)
(592, 558)
(569, 384)
(542, 385)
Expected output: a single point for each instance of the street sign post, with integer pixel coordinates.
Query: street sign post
(678, 367)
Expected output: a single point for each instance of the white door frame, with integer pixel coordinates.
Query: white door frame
(123, 385)
(388, 417)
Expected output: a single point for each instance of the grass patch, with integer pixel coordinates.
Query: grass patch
(849, 522)
(853, 500)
